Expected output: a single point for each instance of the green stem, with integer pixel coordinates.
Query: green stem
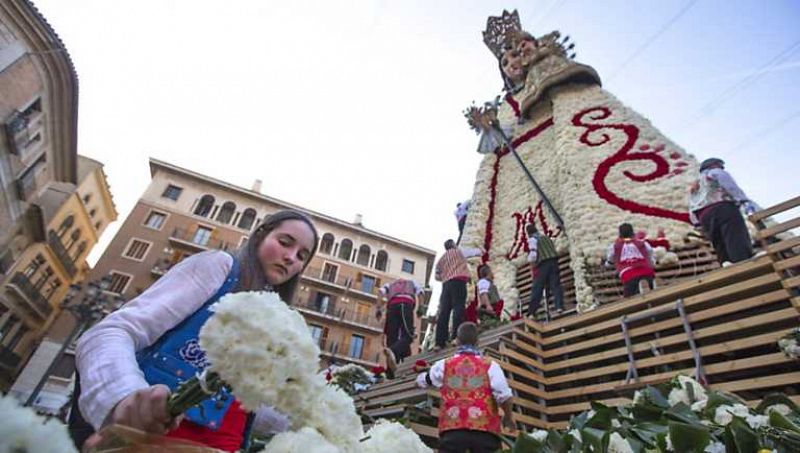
(192, 392)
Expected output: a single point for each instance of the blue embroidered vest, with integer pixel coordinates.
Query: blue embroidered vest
(176, 357)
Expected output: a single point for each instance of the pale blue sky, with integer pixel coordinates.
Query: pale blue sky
(355, 107)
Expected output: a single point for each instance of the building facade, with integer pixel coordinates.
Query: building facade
(182, 212)
(38, 174)
(39, 280)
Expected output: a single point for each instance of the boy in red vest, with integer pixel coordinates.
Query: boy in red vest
(472, 388)
(633, 259)
(401, 296)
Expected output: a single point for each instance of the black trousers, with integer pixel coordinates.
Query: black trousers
(463, 440)
(400, 329)
(631, 287)
(548, 274)
(453, 299)
(724, 226)
(461, 222)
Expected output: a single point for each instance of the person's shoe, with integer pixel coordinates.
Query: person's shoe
(759, 254)
(391, 363)
(727, 264)
(436, 348)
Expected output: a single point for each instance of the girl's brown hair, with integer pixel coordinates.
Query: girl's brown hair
(251, 276)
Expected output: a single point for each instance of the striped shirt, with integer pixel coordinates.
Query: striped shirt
(453, 264)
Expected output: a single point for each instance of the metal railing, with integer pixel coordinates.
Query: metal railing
(34, 296)
(347, 283)
(341, 312)
(61, 253)
(191, 238)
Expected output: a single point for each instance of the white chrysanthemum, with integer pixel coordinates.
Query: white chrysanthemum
(715, 447)
(779, 408)
(757, 421)
(334, 416)
(22, 431)
(259, 346)
(391, 437)
(539, 434)
(725, 413)
(576, 435)
(670, 447)
(307, 440)
(618, 444)
(699, 406)
(638, 398)
(681, 394)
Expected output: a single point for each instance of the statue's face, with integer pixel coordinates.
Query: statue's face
(512, 66)
(526, 48)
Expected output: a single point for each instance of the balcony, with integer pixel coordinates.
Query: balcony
(338, 350)
(31, 294)
(61, 253)
(346, 284)
(8, 359)
(196, 242)
(336, 312)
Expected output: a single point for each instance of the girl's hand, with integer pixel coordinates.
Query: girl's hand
(144, 409)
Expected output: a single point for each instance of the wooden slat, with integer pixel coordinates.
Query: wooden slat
(792, 282)
(783, 245)
(530, 421)
(772, 210)
(663, 295)
(779, 228)
(759, 382)
(787, 263)
(585, 406)
(689, 303)
(424, 430)
(519, 371)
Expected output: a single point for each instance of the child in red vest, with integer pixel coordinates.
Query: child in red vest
(472, 388)
(633, 259)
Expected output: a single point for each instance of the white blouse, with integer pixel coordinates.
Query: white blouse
(106, 353)
(497, 379)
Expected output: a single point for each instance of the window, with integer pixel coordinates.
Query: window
(243, 241)
(247, 219)
(202, 235)
(226, 213)
(17, 337)
(137, 250)
(34, 266)
(316, 333)
(356, 346)
(81, 248)
(204, 206)
(119, 282)
(408, 266)
(368, 283)
(381, 261)
(329, 272)
(326, 245)
(346, 249)
(363, 255)
(86, 198)
(97, 225)
(92, 212)
(52, 287)
(155, 220)
(322, 303)
(65, 225)
(172, 192)
(73, 239)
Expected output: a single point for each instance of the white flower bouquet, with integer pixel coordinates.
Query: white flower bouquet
(23, 431)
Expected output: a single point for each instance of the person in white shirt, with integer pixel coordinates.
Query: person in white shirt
(462, 209)
(473, 388)
(122, 379)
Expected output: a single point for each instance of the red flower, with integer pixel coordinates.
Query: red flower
(378, 370)
(328, 376)
(516, 317)
(420, 365)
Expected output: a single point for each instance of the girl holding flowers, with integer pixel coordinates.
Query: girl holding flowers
(130, 362)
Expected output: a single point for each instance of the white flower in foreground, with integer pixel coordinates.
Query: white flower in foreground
(779, 408)
(391, 437)
(725, 413)
(307, 440)
(681, 394)
(757, 421)
(539, 434)
(699, 405)
(715, 447)
(670, 447)
(618, 444)
(258, 345)
(22, 431)
(334, 416)
(576, 434)
(638, 398)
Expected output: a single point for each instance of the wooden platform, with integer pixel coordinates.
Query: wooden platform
(736, 315)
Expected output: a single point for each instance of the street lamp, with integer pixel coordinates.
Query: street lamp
(88, 304)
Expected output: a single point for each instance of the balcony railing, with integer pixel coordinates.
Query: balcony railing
(63, 256)
(32, 294)
(8, 359)
(341, 313)
(197, 242)
(346, 283)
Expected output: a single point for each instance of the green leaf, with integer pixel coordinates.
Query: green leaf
(555, 442)
(527, 444)
(745, 439)
(602, 417)
(716, 399)
(649, 432)
(579, 421)
(688, 438)
(773, 399)
(655, 397)
(593, 438)
(778, 420)
(682, 413)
